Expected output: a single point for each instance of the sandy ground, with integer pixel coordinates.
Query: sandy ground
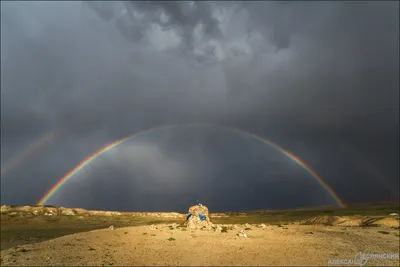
(288, 245)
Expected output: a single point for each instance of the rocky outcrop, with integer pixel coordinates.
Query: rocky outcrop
(54, 211)
(384, 222)
(354, 221)
(158, 214)
(67, 211)
(4, 209)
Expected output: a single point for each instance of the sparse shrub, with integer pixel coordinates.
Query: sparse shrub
(171, 239)
(224, 229)
(383, 232)
(247, 228)
(91, 249)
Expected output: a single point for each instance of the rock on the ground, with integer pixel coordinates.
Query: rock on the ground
(347, 221)
(67, 212)
(80, 211)
(386, 222)
(4, 208)
(242, 234)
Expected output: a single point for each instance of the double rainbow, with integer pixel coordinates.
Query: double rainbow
(106, 148)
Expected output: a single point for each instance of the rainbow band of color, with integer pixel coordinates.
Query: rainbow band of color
(25, 153)
(93, 156)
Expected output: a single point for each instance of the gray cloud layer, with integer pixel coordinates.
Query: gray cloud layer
(310, 76)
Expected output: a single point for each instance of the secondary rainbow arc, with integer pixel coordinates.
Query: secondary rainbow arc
(29, 150)
(50, 193)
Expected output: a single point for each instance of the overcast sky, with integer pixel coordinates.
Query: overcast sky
(318, 78)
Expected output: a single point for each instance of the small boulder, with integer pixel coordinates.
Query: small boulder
(242, 234)
(67, 212)
(218, 229)
(4, 209)
(261, 226)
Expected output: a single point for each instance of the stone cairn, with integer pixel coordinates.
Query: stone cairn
(198, 217)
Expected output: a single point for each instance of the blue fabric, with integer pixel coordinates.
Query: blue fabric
(187, 218)
(202, 218)
(197, 203)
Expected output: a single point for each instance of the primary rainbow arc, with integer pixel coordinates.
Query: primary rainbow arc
(106, 148)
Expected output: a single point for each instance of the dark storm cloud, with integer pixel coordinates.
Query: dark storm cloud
(310, 76)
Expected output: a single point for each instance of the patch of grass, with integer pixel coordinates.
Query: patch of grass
(14, 254)
(67, 244)
(23, 230)
(171, 239)
(24, 250)
(91, 249)
(247, 228)
(171, 227)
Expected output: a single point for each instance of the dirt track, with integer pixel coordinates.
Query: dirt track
(288, 245)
